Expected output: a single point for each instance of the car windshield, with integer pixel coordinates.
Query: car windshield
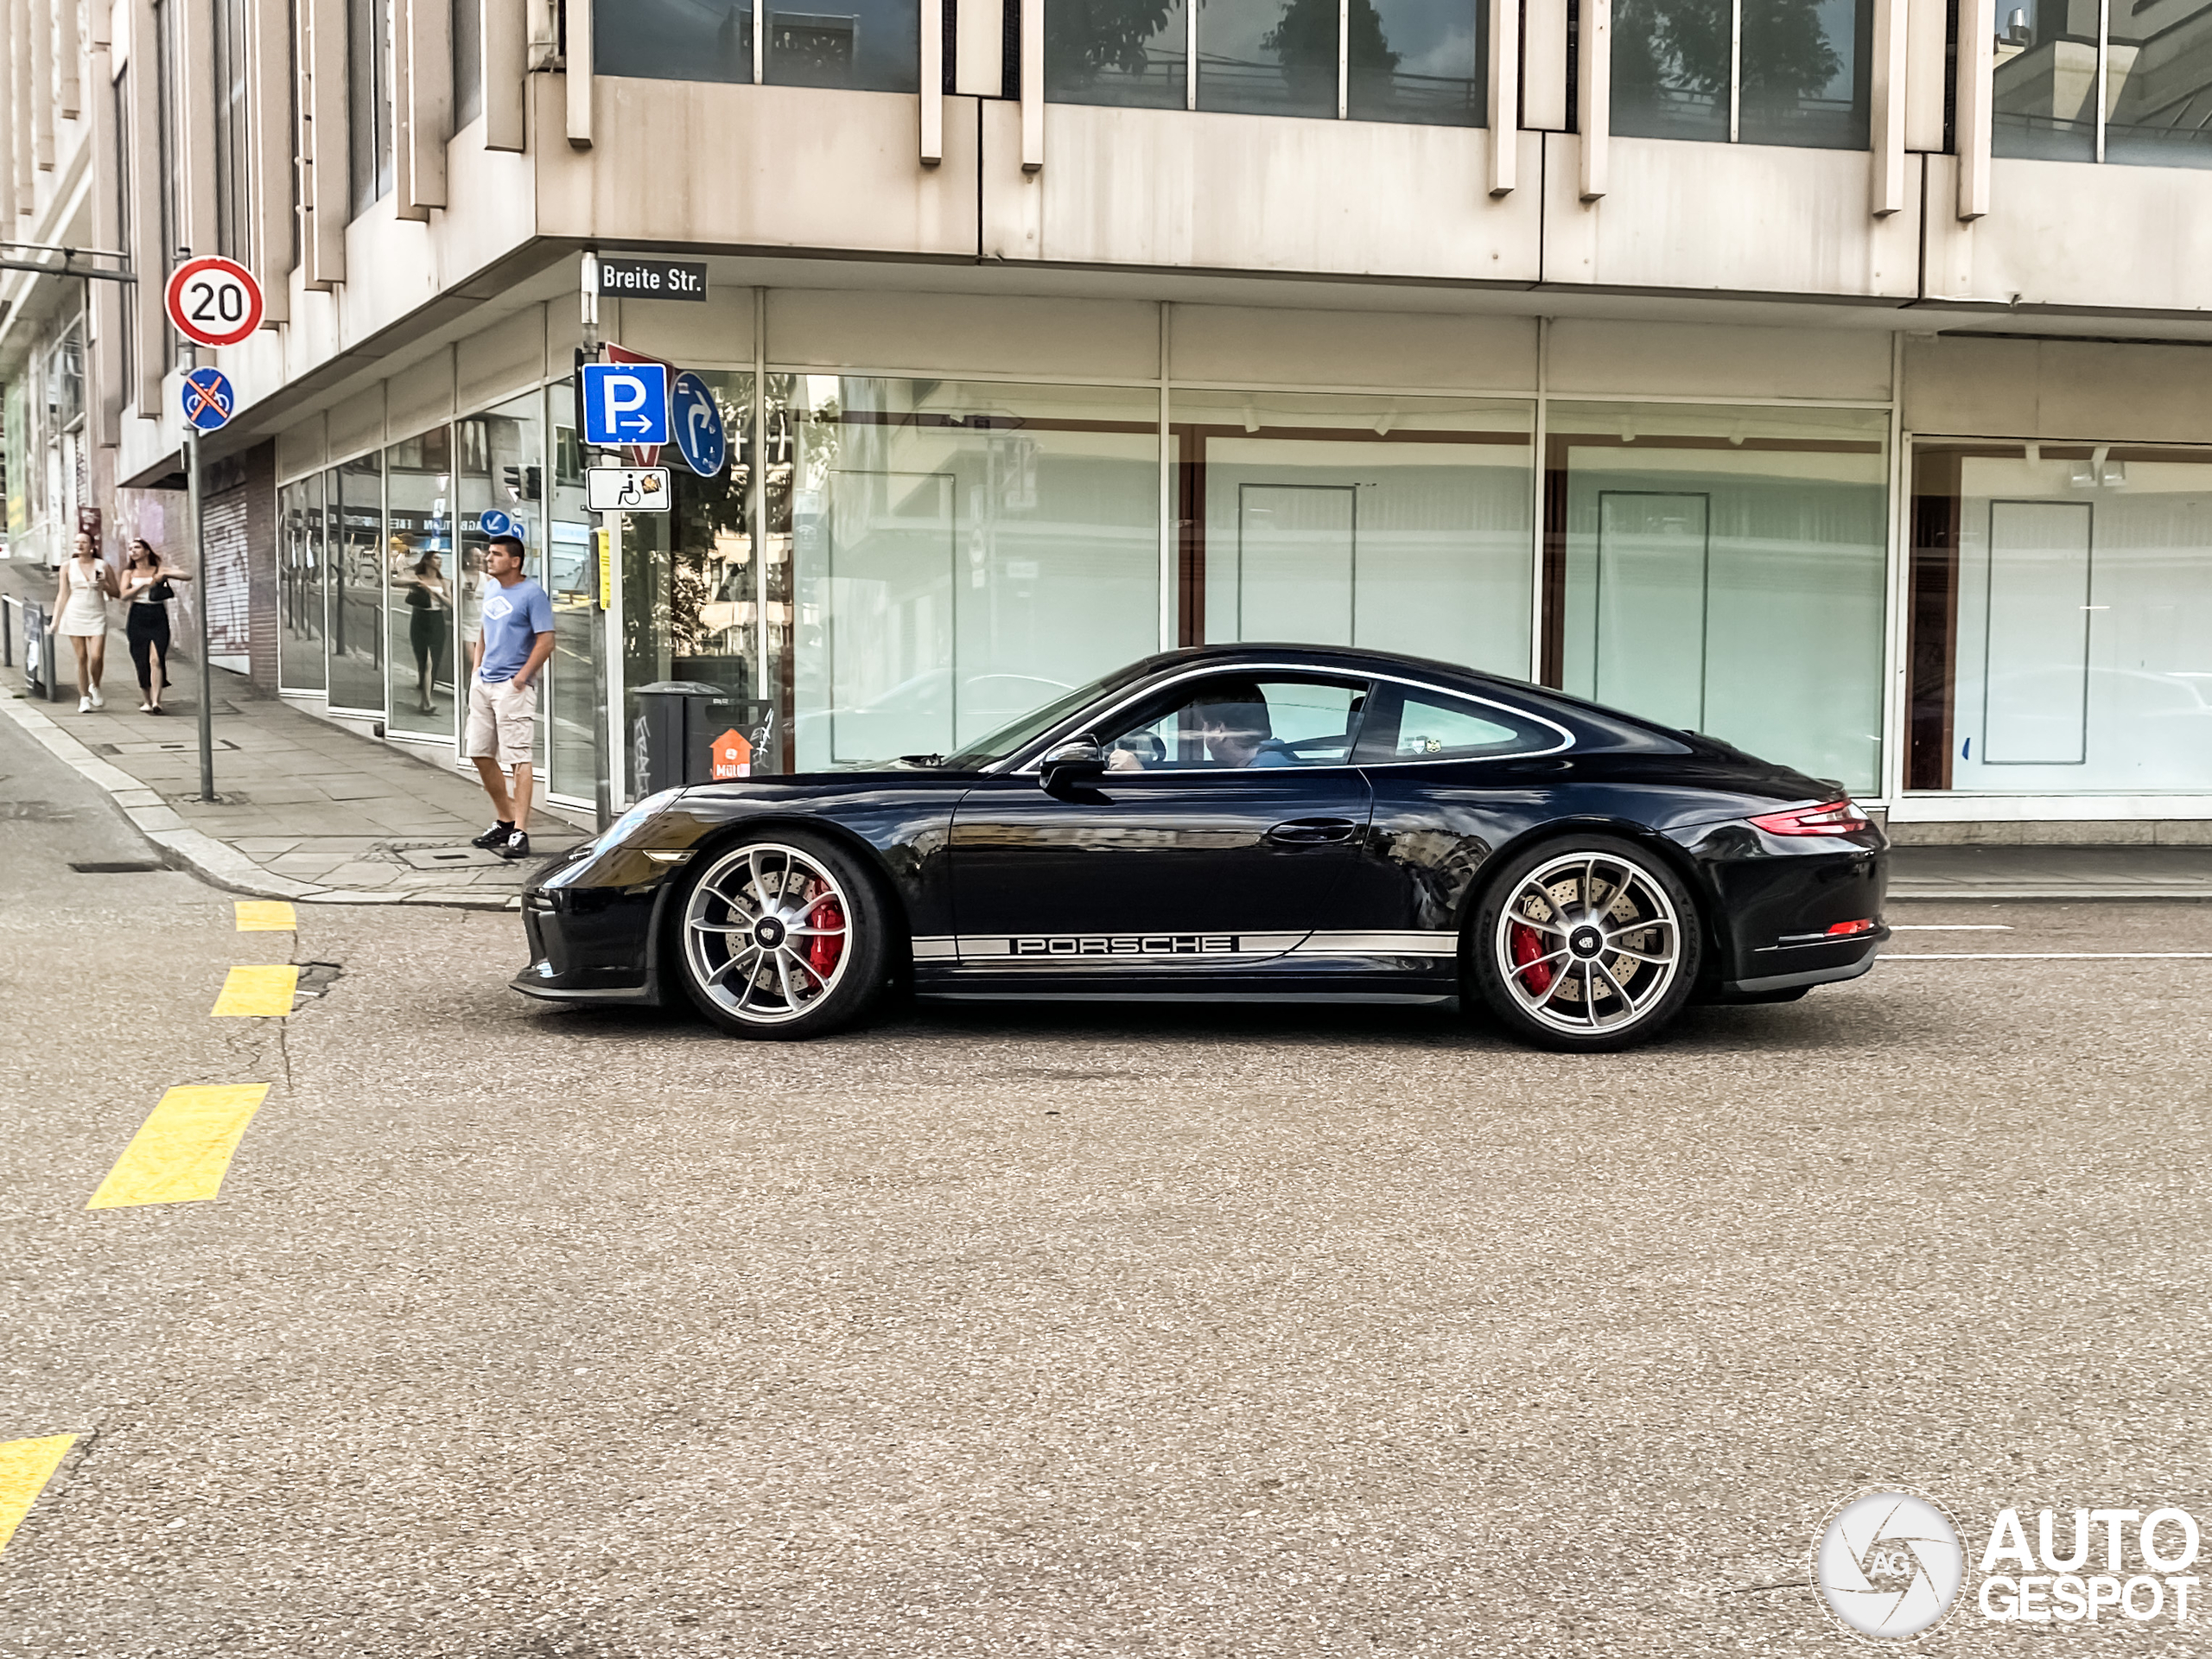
(1032, 726)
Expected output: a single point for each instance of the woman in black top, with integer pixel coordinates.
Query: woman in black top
(430, 623)
(146, 582)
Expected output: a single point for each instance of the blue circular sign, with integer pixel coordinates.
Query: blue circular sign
(697, 423)
(492, 521)
(207, 398)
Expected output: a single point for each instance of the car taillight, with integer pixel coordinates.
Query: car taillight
(1844, 930)
(1829, 819)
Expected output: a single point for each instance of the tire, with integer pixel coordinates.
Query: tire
(782, 935)
(1556, 975)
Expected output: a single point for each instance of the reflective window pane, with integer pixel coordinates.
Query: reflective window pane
(962, 553)
(1721, 571)
(354, 514)
(2158, 86)
(1269, 57)
(499, 464)
(2044, 90)
(867, 46)
(673, 39)
(300, 598)
(1805, 72)
(1114, 51)
(1396, 522)
(420, 577)
(1238, 721)
(1670, 68)
(572, 579)
(690, 597)
(1417, 60)
(2060, 605)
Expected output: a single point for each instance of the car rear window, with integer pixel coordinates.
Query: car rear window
(1413, 725)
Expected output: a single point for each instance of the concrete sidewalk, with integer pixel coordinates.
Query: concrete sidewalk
(2054, 873)
(306, 810)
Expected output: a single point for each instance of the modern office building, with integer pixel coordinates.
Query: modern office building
(1826, 375)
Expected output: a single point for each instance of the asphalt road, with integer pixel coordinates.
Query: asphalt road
(520, 1333)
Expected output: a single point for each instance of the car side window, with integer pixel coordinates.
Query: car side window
(1416, 725)
(1232, 722)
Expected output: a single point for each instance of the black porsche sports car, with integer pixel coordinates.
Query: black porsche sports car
(1248, 822)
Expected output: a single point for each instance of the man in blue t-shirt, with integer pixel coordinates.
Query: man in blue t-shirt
(516, 639)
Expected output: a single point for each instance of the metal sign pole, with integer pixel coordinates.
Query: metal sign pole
(199, 566)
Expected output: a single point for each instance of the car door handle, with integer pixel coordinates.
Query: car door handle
(1306, 832)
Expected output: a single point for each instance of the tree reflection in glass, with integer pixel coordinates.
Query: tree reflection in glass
(1121, 52)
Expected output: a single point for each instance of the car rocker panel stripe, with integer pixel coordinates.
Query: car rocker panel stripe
(1415, 943)
(1090, 951)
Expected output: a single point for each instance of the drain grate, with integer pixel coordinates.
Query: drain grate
(116, 866)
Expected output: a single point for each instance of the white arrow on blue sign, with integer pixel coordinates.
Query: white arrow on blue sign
(698, 421)
(492, 521)
(624, 403)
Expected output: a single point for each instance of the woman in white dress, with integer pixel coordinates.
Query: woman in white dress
(80, 617)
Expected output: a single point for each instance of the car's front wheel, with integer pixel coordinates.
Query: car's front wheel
(782, 936)
(1585, 944)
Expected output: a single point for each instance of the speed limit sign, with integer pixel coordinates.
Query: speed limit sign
(215, 302)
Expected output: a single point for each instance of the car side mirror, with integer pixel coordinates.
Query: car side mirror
(1075, 762)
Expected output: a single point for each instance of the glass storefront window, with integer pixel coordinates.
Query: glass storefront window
(872, 46)
(1802, 75)
(354, 504)
(499, 464)
(1720, 570)
(958, 554)
(2061, 619)
(690, 602)
(673, 39)
(1400, 524)
(572, 579)
(1103, 52)
(420, 578)
(300, 597)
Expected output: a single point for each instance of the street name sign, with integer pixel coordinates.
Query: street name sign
(651, 279)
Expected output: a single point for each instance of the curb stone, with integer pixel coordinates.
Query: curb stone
(194, 850)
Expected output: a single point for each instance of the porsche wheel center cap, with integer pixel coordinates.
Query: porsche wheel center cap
(1585, 942)
(769, 932)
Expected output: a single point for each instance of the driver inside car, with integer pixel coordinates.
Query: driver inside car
(1230, 721)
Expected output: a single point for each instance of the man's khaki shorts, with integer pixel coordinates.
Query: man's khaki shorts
(502, 721)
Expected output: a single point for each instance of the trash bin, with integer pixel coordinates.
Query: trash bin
(38, 652)
(690, 732)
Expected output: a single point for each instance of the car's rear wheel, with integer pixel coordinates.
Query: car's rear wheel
(782, 936)
(1585, 944)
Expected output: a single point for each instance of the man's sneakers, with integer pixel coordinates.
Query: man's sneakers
(494, 838)
(516, 845)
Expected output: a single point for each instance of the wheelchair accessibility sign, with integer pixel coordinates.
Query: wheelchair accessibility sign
(626, 489)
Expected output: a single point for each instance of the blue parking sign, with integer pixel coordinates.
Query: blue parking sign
(624, 403)
(699, 435)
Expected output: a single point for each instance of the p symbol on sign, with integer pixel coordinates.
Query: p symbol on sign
(624, 403)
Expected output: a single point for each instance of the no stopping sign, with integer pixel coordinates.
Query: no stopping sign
(213, 301)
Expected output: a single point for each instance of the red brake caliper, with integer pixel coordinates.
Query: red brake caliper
(823, 949)
(1528, 945)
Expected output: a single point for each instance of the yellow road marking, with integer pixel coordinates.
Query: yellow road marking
(25, 1467)
(265, 915)
(182, 1149)
(258, 991)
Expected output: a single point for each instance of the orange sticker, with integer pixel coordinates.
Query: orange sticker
(733, 756)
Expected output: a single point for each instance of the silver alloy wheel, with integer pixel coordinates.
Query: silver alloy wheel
(1588, 943)
(754, 931)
